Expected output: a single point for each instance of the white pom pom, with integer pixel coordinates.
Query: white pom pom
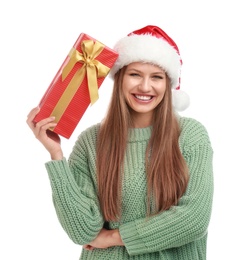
(180, 100)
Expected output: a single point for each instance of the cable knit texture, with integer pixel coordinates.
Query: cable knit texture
(179, 233)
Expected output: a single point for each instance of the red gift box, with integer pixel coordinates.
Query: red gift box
(76, 84)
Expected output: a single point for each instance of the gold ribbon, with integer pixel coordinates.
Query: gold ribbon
(93, 68)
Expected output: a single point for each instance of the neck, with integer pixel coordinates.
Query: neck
(140, 120)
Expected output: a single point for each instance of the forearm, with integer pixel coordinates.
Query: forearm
(72, 205)
(57, 155)
(182, 224)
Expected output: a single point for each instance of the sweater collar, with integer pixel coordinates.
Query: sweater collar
(139, 134)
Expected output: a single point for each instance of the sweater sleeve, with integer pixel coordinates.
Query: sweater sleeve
(74, 195)
(189, 220)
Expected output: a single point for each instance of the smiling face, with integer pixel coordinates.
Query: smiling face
(144, 86)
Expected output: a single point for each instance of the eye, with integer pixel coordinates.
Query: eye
(134, 74)
(157, 77)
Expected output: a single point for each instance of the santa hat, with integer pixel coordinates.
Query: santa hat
(151, 44)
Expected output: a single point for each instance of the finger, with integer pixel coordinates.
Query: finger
(42, 126)
(33, 112)
(88, 247)
(44, 122)
(31, 116)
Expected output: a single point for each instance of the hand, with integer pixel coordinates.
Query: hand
(48, 138)
(105, 238)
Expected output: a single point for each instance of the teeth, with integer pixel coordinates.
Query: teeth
(143, 97)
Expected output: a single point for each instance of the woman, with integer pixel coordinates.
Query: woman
(138, 185)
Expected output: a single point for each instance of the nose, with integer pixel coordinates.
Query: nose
(145, 85)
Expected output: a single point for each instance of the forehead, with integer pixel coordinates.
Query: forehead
(145, 66)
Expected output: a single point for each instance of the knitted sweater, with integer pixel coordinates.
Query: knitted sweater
(179, 233)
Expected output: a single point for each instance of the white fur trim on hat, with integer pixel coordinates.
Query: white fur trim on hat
(147, 48)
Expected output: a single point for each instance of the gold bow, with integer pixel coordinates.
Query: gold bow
(93, 68)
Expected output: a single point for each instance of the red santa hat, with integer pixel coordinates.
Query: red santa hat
(151, 44)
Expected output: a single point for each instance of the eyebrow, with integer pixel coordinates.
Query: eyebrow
(156, 72)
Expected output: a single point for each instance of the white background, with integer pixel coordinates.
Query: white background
(35, 38)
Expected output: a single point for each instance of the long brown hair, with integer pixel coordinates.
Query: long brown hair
(167, 172)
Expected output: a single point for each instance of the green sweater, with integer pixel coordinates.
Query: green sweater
(179, 233)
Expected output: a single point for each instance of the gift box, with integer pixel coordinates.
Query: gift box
(75, 85)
